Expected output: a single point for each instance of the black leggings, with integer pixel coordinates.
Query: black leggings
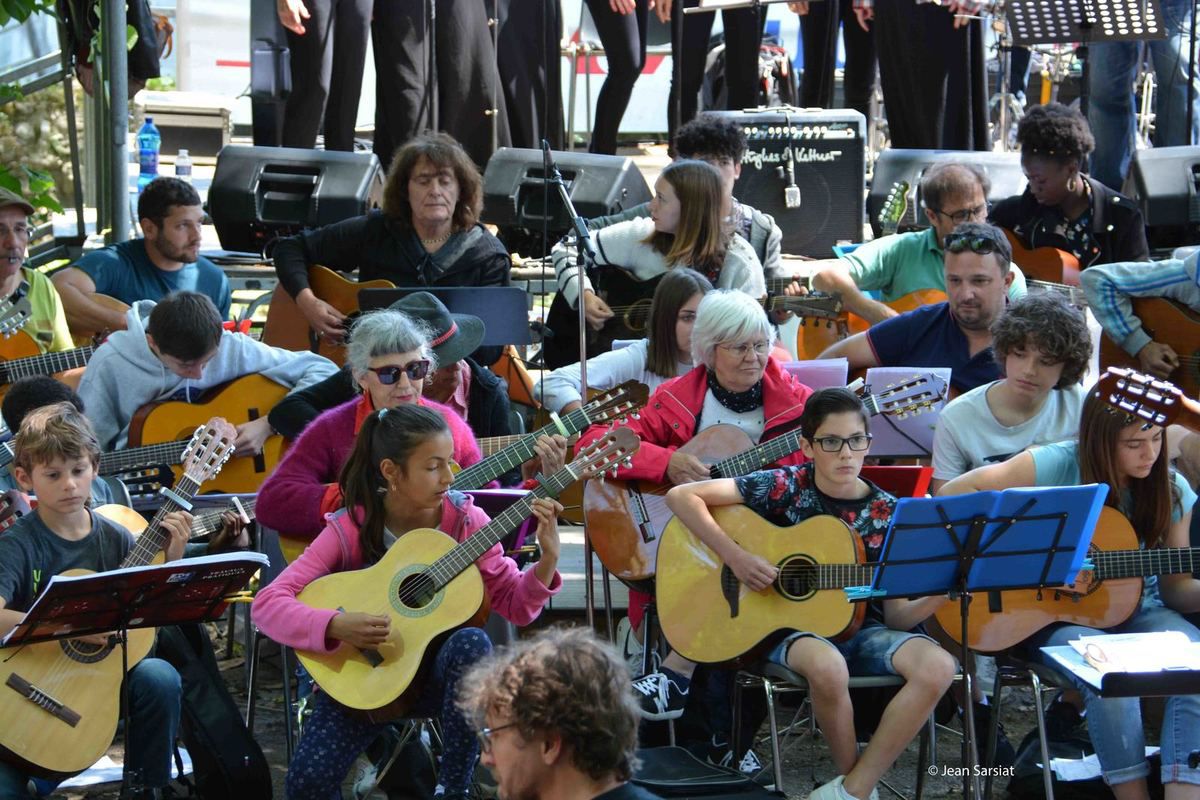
(623, 37)
(743, 36)
(820, 31)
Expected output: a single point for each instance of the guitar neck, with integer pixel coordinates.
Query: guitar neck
(836, 576)
(515, 453)
(209, 522)
(757, 457)
(490, 445)
(45, 364)
(166, 453)
(1115, 564)
(154, 538)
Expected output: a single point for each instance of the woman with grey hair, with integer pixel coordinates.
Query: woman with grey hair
(389, 357)
(735, 382)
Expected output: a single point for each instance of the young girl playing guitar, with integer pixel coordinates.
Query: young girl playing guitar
(397, 479)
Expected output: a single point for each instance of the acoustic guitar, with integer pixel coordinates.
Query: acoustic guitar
(31, 362)
(709, 616)
(84, 336)
(1166, 322)
(286, 327)
(61, 708)
(166, 424)
(1111, 591)
(203, 524)
(625, 519)
(428, 585)
(1044, 263)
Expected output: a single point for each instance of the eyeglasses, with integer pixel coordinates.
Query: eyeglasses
(759, 349)
(415, 370)
(980, 245)
(833, 444)
(484, 736)
(19, 231)
(966, 214)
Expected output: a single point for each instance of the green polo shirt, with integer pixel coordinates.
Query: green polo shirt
(905, 262)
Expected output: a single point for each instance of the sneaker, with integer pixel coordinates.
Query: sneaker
(720, 755)
(631, 648)
(659, 697)
(362, 781)
(835, 791)
(1006, 755)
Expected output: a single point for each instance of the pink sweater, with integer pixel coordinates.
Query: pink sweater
(517, 596)
(293, 498)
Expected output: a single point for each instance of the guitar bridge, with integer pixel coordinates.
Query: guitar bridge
(640, 514)
(42, 700)
(730, 590)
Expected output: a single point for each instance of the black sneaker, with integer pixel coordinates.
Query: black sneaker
(659, 697)
(1006, 756)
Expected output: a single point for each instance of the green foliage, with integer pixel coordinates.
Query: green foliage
(35, 149)
(21, 10)
(35, 186)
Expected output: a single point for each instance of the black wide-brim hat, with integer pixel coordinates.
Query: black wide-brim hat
(454, 336)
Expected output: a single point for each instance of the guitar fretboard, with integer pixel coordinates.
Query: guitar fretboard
(209, 522)
(45, 364)
(516, 452)
(155, 538)
(166, 453)
(1113, 564)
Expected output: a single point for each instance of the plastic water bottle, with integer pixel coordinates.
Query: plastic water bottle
(183, 166)
(149, 141)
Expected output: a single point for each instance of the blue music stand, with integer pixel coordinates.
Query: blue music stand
(987, 541)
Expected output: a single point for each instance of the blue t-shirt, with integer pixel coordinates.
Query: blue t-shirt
(929, 337)
(125, 272)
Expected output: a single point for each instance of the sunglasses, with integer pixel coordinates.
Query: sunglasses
(980, 245)
(415, 370)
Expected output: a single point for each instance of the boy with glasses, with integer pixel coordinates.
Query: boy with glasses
(978, 275)
(836, 437)
(953, 193)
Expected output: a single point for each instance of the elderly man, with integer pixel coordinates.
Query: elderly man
(47, 324)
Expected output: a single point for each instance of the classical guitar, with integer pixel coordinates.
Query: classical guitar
(164, 425)
(1169, 323)
(625, 519)
(811, 342)
(1044, 263)
(286, 327)
(1102, 597)
(709, 616)
(61, 702)
(13, 368)
(428, 585)
(203, 524)
(509, 452)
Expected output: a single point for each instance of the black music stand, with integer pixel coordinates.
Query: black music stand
(187, 590)
(983, 542)
(1085, 22)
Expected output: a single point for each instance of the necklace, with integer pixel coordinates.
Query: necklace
(437, 240)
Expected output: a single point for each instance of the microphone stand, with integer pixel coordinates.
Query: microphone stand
(584, 254)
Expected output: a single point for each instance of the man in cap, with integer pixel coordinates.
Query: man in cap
(47, 324)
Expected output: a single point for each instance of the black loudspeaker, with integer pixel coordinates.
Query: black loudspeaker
(893, 166)
(514, 194)
(260, 194)
(806, 168)
(1165, 183)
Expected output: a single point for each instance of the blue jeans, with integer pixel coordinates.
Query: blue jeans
(868, 652)
(154, 693)
(1111, 70)
(1115, 724)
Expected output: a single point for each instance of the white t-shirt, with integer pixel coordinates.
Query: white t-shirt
(713, 413)
(968, 435)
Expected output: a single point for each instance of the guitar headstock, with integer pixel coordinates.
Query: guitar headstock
(895, 206)
(918, 394)
(1140, 396)
(13, 315)
(816, 305)
(210, 447)
(618, 402)
(607, 454)
(13, 506)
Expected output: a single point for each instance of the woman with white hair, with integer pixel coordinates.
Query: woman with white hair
(389, 357)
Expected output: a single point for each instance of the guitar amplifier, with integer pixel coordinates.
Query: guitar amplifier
(1165, 183)
(260, 194)
(806, 168)
(515, 199)
(893, 166)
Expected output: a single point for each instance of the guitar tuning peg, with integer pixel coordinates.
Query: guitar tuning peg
(628, 462)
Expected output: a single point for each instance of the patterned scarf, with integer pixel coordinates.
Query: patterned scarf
(737, 402)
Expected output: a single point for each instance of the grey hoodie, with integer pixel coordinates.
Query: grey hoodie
(124, 374)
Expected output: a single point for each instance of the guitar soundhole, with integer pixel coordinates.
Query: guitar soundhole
(417, 591)
(797, 578)
(83, 652)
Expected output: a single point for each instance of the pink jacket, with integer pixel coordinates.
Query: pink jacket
(669, 419)
(517, 596)
(304, 484)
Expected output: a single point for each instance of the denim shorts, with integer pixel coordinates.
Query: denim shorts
(868, 652)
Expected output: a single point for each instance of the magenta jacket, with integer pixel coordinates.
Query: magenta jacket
(669, 419)
(517, 596)
(304, 484)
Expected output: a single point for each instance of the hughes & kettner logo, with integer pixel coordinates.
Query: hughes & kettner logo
(803, 155)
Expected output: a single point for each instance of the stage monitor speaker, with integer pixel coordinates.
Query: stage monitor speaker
(260, 194)
(514, 193)
(1165, 183)
(806, 168)
(893, 166)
